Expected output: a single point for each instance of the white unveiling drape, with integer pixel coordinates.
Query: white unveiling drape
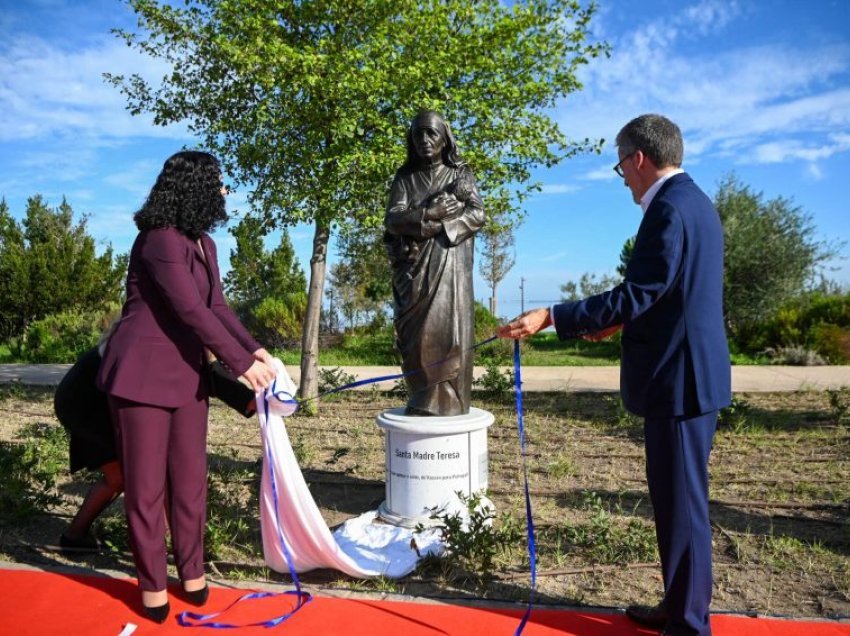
(289, 517)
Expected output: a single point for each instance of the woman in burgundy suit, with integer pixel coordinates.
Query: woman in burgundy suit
(152, 372)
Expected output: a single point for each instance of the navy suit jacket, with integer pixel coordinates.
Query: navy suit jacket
(174, 308)
(675, 359)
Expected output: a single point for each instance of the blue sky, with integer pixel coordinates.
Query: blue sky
(760, 87)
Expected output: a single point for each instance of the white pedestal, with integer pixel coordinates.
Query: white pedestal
(430, 459)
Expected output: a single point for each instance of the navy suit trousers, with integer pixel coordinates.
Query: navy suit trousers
(164, 459)
(677, 451)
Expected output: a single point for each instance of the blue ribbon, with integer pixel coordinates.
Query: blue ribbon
(285, 398)
(529, 520)
(185, 618)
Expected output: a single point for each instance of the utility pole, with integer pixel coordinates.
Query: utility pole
(522, 295)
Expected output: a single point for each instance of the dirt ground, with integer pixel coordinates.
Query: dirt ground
(780, 492)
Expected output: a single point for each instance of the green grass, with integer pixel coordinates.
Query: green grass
(354, 350)
(540, 350)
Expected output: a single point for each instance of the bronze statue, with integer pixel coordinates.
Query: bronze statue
(433, 214)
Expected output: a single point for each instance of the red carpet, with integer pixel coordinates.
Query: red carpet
(39, 604)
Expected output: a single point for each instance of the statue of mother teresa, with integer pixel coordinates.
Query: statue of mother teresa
(432, 216)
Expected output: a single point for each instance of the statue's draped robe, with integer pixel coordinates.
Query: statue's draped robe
(432, 290)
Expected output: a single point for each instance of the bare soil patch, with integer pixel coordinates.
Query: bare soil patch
(780, 489)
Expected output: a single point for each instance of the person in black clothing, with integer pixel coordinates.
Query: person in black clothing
(83, 411)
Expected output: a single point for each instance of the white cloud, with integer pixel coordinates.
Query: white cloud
(711, 15)
(115, 222)
(46, 91)
(137, 178)
(731, 98)
(549, 258)
(558, 188)
(605, 173)
(814, 172)
(778, 152)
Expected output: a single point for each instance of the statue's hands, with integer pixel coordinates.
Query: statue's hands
(442, 207)
(431, 228)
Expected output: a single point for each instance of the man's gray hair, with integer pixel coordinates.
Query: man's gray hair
(654, 135)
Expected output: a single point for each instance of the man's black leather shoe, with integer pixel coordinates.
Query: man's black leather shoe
(647, 616)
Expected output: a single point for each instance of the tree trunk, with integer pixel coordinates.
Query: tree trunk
(310, 338)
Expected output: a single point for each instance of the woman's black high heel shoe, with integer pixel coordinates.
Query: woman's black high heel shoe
(157, 614)
(197, 597)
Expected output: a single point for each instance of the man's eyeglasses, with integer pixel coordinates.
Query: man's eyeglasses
(619, 167)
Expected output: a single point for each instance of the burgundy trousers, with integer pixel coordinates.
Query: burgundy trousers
(163, 451)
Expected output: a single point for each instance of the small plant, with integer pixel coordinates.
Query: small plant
(112, 529)
(304, 452)
(735, 417)
(839, 404)
(608, 541)
(334, 378)
(400, 389)
(232, 493)
(622, 417)
(561, 466)
(495, 383)
(386, 585)
(29, 470)
(339, 453)
(473, 544)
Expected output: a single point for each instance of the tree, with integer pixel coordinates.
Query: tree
(588, 285)
(771, 254)
(256, 273)
(308, 100)
(497, 257)
(267, 289)
(13, 275)
(361, 280)
(626, 256)
(49, 265)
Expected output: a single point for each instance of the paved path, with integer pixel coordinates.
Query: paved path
(745, 379)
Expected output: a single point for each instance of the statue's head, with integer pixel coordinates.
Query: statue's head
(428, 135)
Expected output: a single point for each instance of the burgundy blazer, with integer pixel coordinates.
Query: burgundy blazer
(174, 308)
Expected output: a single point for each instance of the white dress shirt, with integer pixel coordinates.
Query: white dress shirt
(649, 195)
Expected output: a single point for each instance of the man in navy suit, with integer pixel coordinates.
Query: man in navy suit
(675, 369)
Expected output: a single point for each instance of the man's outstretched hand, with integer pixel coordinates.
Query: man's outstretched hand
(526, 324)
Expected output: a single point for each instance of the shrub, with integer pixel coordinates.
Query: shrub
(816, 323)
(832, 341)
(796, 355)
(279, 320)
(29, 472)
(495, 352)
(64, 336)
(330, 379)
(495, 383)
(474, 542)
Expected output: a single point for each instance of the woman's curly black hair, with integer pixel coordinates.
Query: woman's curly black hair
(187, 196)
